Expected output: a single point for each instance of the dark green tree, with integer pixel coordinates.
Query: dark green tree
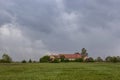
(6, 58)
(84, 52)
(30, 61)
(114, 59)
(108, 59)
(90, 59)
(62, 57)
(23, 61)
(99, 59)
(45, 59)
(118, 58)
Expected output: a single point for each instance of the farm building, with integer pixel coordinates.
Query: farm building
(70, 57)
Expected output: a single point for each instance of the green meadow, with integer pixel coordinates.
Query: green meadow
(60, 71)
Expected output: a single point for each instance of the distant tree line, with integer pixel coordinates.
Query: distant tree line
(84, 53)
(114, 59)
(46, 59)
(7, 59)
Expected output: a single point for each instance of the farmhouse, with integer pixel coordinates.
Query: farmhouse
(53, 57)
(70, 57)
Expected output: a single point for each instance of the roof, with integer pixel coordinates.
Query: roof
(72, 56)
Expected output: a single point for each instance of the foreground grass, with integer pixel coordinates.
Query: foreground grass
(60, 71)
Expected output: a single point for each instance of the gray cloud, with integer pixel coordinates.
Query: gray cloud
(30, 29)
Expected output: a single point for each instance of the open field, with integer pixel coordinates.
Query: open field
(60, 71)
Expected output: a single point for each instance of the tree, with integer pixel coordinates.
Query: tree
(62, 57)
(114, 59)
(90, 59)
(99, 59)
(30, 61)
(24, 61)
(84, 53)
(45, 59)
(118, 58)
(108, 59)
(6, 58)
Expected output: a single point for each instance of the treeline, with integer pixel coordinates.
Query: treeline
(46, 59)
(7, 59)
(114, 59)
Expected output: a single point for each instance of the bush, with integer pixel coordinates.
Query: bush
(79, 60)
(56, 61)
(66, 60)
(3, 61)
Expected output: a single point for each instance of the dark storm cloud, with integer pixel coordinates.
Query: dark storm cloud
(38, 14)
(40, 26)
(95, 13)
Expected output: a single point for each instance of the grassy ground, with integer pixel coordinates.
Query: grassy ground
(60, 71)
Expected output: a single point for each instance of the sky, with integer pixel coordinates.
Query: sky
(30, 29)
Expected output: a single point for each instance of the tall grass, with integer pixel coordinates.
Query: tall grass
(60, 71)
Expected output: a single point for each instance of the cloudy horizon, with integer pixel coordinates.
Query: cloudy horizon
(30, 29)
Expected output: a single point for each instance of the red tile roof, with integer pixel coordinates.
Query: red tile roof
(72, 56)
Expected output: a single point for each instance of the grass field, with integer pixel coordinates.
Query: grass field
(60, 71)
